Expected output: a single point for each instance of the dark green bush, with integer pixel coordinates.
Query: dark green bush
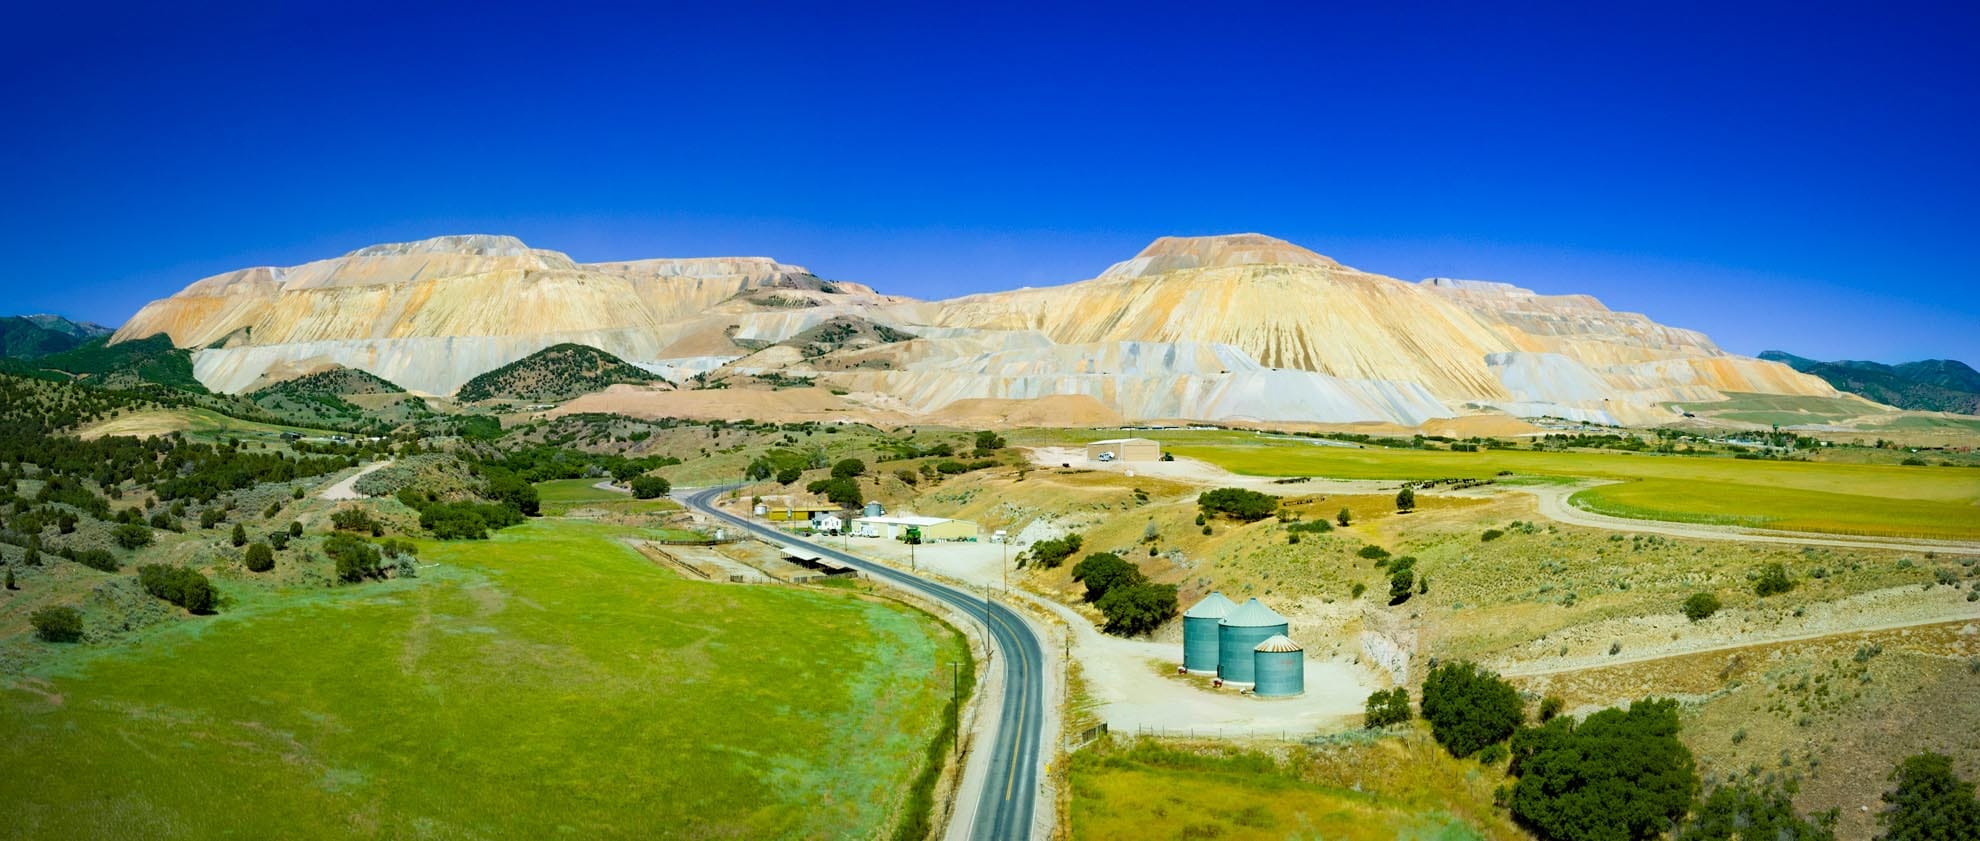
(650, 487)
(1238, 504)
(1619, 774)
(184, 587)
(1469, 707)
(259, 557)
(131, 536)
(1700, 606)
(1773, 580)
(1103, 571)
(1137, 608)
(1051, 553)
(1386, 707)
(57, 623)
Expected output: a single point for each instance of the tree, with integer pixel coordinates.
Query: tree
(1406, 500)
(184, 587)
(1469, 707)
(240, 535)
(1700, 606)
(1550, 706)
(1928, 802)
(1773, 580)
(1137, 608)
(512, 491)
(839, 490)
(1238, 504)
(260, 558)
(356, 559)
(131, 536)
(987, 441)
(1342, 518)
(1617, 775)
(1051, 553)
(57, 623)
(1386, 707)
(848, 468)
(1402, 578)
(1103, 571)
(1740, 811)
(650, 487)
(788, 475)
(295, 529)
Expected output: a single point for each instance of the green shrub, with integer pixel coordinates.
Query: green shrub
(184, 587)
(1137, 608)
(98, 559)
(1619, 774)
(1928, 801)
(356, 559)
(1469, 707)
(1103, 571)
(1406, 500)
(1700, 606)
(239, 537)
(351, 519)
(791, 474)
(259, 557)
(1746, 810)
(1550, 706)
(1051, 553)
(1342, 518)
(848, 468)
(1373, 552)
(1386, 707)
(650, 487)
(57, 623)
(131, 536)
(1773, 580)
(1238, 504)
(1491, 535)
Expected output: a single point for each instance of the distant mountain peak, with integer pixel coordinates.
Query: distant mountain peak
(1172, 254)
(480, 245)
(1934, 385)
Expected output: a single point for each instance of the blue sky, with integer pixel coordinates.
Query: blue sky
(1796, 176)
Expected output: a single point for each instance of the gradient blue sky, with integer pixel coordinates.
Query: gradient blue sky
(1795, 176)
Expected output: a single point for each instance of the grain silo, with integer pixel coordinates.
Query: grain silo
(1279, 668)
(1242, 630)
(1200, 633)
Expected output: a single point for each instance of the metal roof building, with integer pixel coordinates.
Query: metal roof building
(1279, 668)
(1239, 632)
(932, 528)
(1200, 633)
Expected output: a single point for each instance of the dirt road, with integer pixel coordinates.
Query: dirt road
(346, 488)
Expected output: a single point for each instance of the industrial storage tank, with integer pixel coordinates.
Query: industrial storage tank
(1241, 631)
(1279, 668)
(1200, 633)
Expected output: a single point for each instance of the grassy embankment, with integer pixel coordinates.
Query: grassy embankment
(547, 681)
(1931, 502)
(562, 496)
(1362, 787)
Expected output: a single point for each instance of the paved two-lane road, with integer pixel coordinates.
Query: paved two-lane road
(1010, 793)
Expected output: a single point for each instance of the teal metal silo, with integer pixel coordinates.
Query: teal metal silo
(1200, 633)
(1279, 668)
(1241, 631)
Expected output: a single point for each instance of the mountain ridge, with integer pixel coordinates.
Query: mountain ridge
(1241, 326)
(1933, 385)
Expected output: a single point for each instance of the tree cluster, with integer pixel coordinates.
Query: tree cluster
(1238, 504)
(179, 585)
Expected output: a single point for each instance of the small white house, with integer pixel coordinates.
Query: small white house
(827, 522)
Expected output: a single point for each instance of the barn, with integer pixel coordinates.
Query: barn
(1124, 449)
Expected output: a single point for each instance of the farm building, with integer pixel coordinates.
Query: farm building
(827, 522)
(797, 513)
(1124, 449)
(932, 528)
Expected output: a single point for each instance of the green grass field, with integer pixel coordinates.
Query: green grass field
(548, 682)
(560, 496)
(1146, 790)
(1937, 502)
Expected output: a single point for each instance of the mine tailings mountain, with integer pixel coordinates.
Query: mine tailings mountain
(1933, 385)
(1239, 327)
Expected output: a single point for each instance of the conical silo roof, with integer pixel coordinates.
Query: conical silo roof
(1277, 643)
(1253, 614)
(1213, 606)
